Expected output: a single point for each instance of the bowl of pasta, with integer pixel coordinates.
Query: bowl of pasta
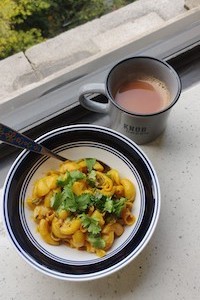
(86, 217)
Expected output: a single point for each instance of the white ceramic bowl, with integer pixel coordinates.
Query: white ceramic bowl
(75, 142)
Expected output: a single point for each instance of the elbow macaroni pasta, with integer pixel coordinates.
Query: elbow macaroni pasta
(82, 207)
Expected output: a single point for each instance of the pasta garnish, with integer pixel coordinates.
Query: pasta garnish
(83, 205)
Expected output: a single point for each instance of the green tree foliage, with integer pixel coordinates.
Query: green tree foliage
(13, 15)
(24, 23)
(65, 14)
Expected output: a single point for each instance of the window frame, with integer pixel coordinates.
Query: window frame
(36, 111)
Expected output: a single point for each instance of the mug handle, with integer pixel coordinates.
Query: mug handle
(93, 88)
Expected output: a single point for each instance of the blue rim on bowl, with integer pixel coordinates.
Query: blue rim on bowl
(77, 140)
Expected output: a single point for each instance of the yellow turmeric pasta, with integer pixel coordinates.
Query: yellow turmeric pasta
(83, 205)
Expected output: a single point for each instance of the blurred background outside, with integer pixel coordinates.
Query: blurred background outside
(24, 23)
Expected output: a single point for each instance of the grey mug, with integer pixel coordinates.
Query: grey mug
(140, 127)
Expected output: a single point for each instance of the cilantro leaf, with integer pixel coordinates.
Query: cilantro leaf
(94, 227)
(91, 224)
(70, 178)
(118, 206)
(90, 162)
(98, 200)
(82, 201)
(56, 200)
(63, 180)
(91, 178)
(96, 241)
(85, 220)
(109, 205)
(76, 175)
(69, 199)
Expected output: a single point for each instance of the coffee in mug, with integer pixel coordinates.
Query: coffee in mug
(141, 91)
(143, 95)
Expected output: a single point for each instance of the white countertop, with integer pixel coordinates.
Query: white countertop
(169, 267)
